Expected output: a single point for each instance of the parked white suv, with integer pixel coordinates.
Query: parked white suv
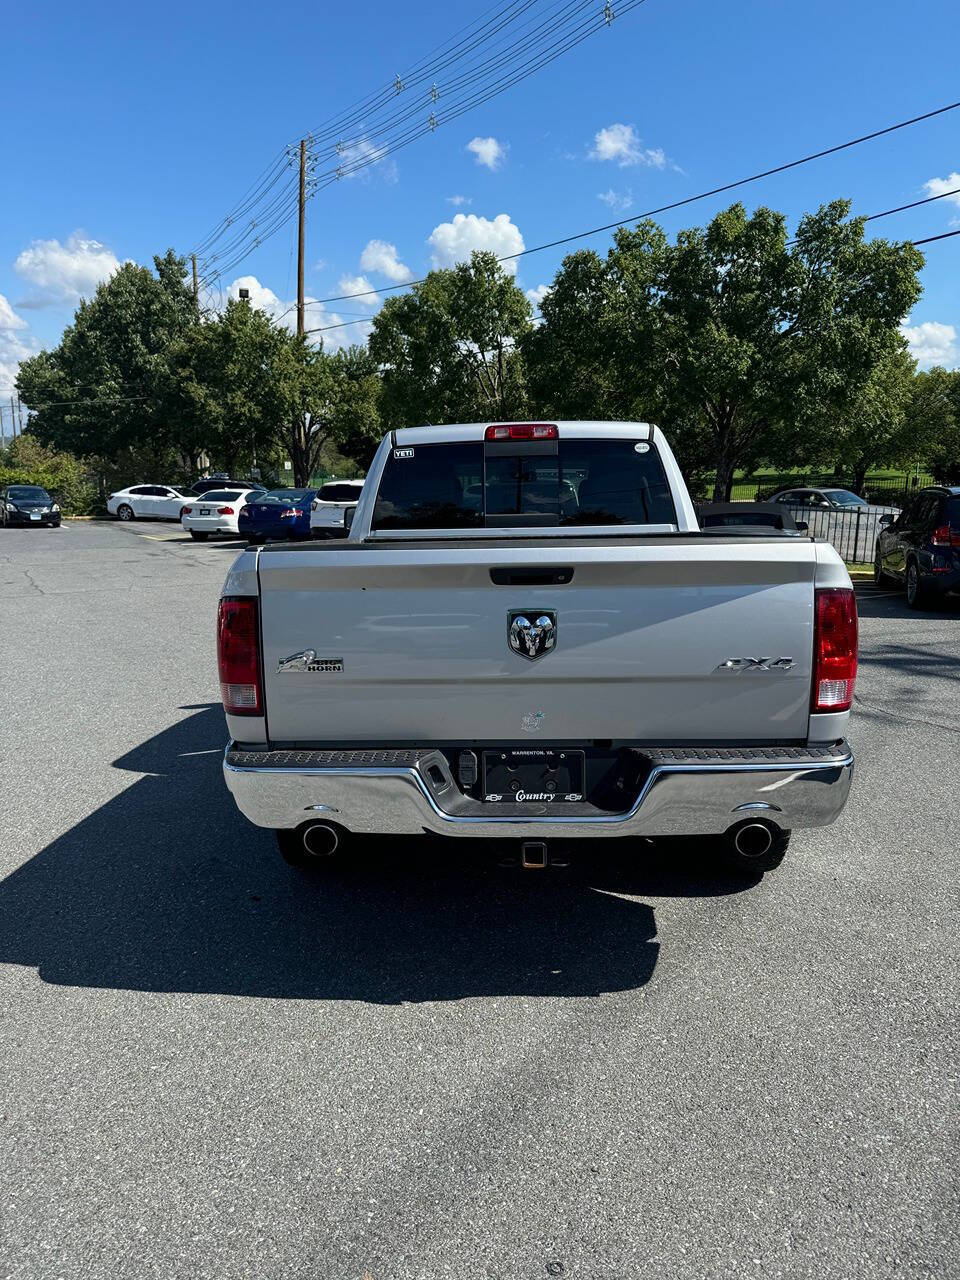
(328, 507)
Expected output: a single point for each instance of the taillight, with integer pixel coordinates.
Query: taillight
(834, 649)
(224, 511)
(244, 510)
(185, 511)
(946, 536)
(522, 431)
(238, 656)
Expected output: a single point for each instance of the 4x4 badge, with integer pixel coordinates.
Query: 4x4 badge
(756, 664)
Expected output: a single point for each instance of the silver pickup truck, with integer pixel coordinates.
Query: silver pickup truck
(525, 634)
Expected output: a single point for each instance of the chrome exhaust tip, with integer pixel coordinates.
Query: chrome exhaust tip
(320, 840)
(752, 840)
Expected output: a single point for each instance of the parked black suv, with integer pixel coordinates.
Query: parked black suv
(921, 548)
(205, 486)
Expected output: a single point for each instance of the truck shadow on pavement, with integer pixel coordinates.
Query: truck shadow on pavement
(167, 888)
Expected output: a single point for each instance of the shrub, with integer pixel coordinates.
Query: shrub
(27, 461)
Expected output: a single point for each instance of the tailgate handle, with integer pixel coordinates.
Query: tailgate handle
(531, 576)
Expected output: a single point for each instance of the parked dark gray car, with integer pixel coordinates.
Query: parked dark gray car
(28, 504)
(921, 547)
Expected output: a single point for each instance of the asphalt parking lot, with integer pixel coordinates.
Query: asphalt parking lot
(433, 1065)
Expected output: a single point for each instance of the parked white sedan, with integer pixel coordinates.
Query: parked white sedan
(214, 512)
(147, 502)
(328, 507)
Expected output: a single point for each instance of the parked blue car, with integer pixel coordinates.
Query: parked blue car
(279, 513)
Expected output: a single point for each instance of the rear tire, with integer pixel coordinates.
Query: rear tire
(292, 850)
(917, 595)
(198, 536)
(758, 863)
(125, 512)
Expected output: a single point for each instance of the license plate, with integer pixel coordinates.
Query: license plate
(534, 776)
(34, 516)
(204, 511)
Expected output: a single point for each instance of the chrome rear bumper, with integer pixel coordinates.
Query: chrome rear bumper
(690, 791)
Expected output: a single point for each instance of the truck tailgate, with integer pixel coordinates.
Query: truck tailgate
(411, 646)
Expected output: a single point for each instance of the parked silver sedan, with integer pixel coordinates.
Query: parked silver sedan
(839, 516)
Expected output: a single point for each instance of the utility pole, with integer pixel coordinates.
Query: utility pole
(13, 418)
(303, 184)
(20, 412)
(196, 291)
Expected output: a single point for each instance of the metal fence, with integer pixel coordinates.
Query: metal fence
(853, 533)
(884, 490)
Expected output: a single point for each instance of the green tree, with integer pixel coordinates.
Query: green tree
(753, 343)
(242, 389)
(26, 461)
(933, 422)
(874, 428)
(229, 387)
(102, 390)
(447, 350)
(356, 430)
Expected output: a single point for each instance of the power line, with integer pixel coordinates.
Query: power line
(946, 235)
(372, 154)
(930, 239)
(913, 205)
(82, 404)
(546, 38)
(677, 204)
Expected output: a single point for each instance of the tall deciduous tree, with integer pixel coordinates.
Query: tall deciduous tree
(755, 342)
(447, 350)
(933, 421)
(873, 429)
(242, 388)
(229, 388)
(103, 389)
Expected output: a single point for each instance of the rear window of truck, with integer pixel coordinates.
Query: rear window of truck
(465, 485)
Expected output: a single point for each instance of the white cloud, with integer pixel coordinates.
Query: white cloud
(457, 201)
(8, 317)
(932, 343)
(360, 158)
(66, 271)
(488, 151)
(13, 349)
(619, 142)
(454, 241)
(939, 186)
(536, 296)
(616, 200)
(382, 257)
(285, 313)
(358, 284)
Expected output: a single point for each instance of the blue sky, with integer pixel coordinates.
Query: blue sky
(135, 128)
